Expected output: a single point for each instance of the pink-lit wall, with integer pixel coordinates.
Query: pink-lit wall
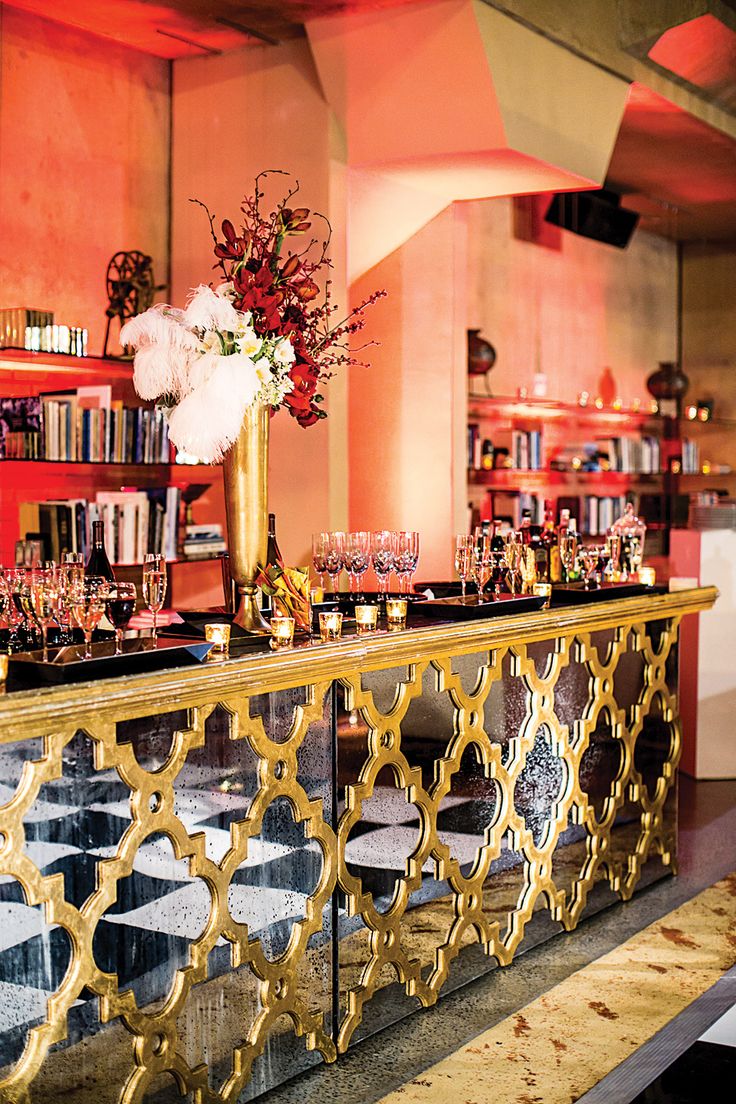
(572, 311)
(233, 116)
(84, 150)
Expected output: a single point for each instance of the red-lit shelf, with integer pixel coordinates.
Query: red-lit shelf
(508, 477)
(91, 465)
(23, 361)
(531, 409)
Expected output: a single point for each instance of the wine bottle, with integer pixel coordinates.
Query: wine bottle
(553, 564)
(98, 563)
(273, 559)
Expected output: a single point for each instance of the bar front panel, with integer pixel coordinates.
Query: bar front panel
(204, 894)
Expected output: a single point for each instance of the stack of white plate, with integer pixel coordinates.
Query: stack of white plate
(721, 516)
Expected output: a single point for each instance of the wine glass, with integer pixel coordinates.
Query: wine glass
(383, 556)
(154, 586)
(334, 549)
(588, 558)
(357, 557)
(45, 599)
(463, 559)
(528, 567)
(636, 553)
(320, 543)
(88, 606)
(407, 558)
(613, 545)
(121, 602)
(482, 562)
(512, 554)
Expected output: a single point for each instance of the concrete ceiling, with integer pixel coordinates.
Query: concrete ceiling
(679, 172)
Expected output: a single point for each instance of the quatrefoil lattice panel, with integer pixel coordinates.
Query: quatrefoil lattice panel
(165, 887)
(482, 790)
(198, 904)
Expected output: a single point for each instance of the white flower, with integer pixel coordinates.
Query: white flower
(263, 370)
(249, 342)
(226, 290)
(284, 352)
(207, 311)
(208, 419)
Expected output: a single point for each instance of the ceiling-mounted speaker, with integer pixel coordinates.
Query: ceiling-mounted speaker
(597, 215)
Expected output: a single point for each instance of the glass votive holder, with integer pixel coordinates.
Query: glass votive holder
(366, 619)
(396, 612)
(647, 576)
(544, 590)
(282, 632)
(330, 625)
(218, 635)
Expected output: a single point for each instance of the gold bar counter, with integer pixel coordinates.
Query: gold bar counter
(214, 877)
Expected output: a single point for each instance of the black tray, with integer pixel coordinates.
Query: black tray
(470, 609)
(575, 594)
(346, 602)
(66, 664)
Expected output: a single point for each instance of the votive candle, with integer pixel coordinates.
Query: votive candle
(330, 625)
(544, 590)
(647, 576)
(396, 612)
(218, 635)
(282, 632)
(366, 619)
(4, 667)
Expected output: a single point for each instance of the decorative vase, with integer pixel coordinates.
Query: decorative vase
(668, 382)
(245, 475)
(481, 354)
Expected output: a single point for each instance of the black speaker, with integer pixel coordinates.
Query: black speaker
(597, 215)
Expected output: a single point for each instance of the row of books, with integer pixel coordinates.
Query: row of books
(88, 424)
(135, 521)
(632, 454)
(598, 512)
(690, 456)
(516, 448)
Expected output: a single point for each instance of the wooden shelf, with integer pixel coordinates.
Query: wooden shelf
(550, 410)
(26, 362)
(509, 477)
(83, 466)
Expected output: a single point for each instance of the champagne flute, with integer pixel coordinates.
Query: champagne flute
(334, 558)
(154, 586)
(383, 556)
(568, 551)
(463, 559)
(121, 602)
(636, 554)
(512, 554)
(45, 598)
(88, 606)
(357, 557)
(320, 544)
(482, 562)
(407, 558)
(71, 577)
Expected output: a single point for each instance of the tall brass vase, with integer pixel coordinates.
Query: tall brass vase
(245, 472)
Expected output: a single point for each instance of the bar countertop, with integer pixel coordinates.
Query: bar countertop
(262, 670)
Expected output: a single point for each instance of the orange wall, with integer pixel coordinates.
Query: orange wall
(233, 116)
(84, 147)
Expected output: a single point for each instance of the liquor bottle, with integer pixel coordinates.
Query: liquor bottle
(498, 548)
(273, 559)
(553, 565)
(98, 563)
(526, 526)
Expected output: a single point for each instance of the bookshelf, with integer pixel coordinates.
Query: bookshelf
(23, 480)
(589, 459)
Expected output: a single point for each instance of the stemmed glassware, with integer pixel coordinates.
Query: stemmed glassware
(154, 586)
(45, 600)
(463, 559)
(334, 551)
(87, 607)
(357, 557)
(320, 544)
(407, 558)
(121, 602)
(383, 557)
(482, 562)
(512, 554)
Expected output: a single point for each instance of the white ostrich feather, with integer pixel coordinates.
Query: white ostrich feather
(161, 370)
(208, 311)
(208, 419)
(159, 325)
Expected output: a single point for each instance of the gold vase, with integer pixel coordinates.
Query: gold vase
(245, 473)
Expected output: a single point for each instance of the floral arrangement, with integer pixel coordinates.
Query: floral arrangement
(264, 334)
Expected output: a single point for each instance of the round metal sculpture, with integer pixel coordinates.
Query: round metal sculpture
(130, 287)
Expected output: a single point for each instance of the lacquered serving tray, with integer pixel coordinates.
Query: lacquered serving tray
(575, 594)
(68, 665)
(470, 609)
